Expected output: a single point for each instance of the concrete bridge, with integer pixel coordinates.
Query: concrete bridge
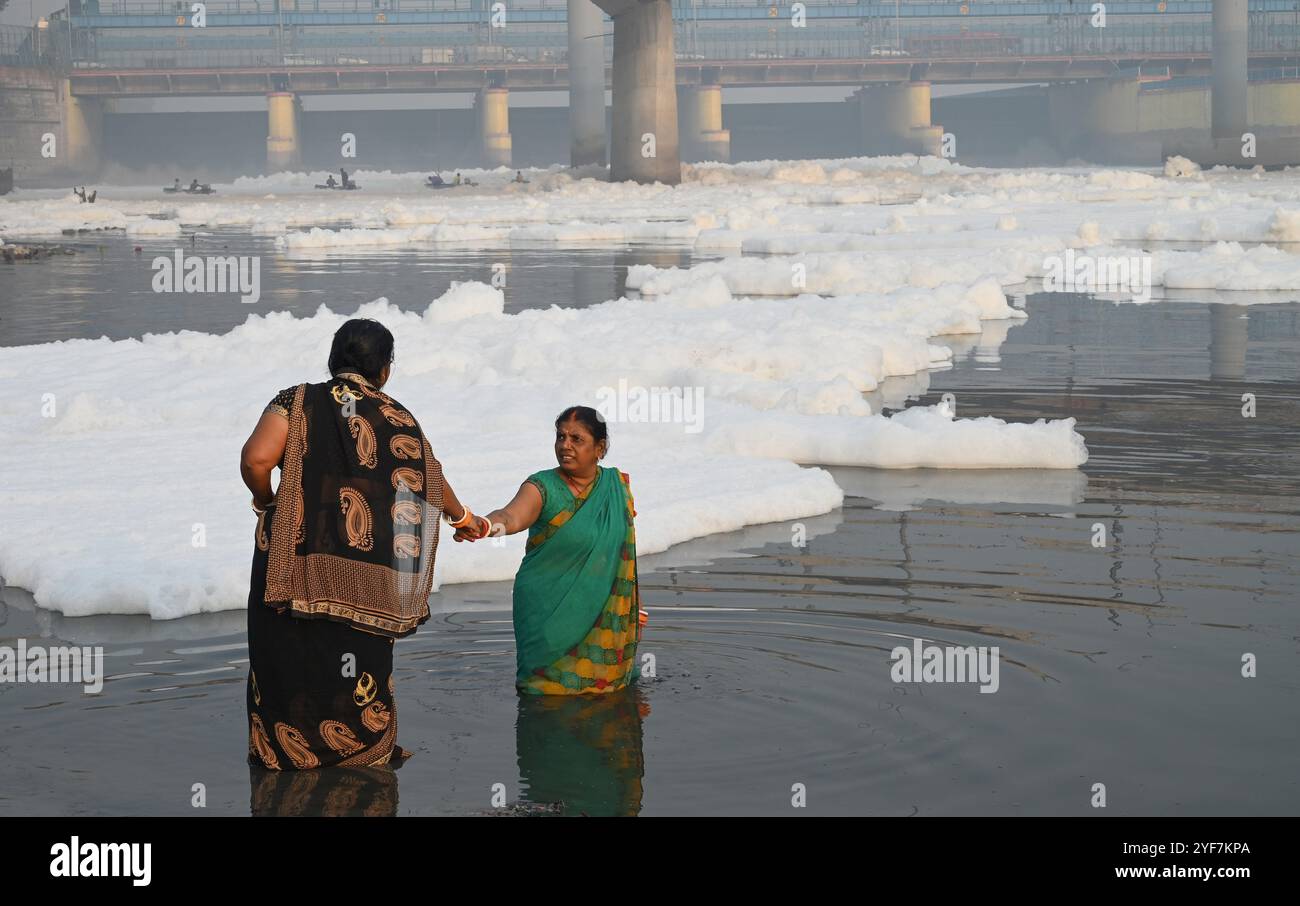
(114, 52)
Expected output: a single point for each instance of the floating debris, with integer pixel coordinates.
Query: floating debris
(525, 810)
(31, 252)
(69, 231)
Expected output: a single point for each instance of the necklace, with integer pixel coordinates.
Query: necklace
(578, 490)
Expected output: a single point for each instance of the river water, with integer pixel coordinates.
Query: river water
(1120, 662)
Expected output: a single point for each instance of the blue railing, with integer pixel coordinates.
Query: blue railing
(356, 32)
(266, 13)
(1277, 73)
(91, 13)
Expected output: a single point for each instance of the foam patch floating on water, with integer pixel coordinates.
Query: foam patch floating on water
(145, 442)
(897, 254)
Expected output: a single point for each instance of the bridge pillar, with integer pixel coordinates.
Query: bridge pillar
(283, 147)
(1097, 118)
(896, 119)
(586, 84)
(494, 126)
(83, 131)
(700, 113)
(1228, 95)
(643, 146)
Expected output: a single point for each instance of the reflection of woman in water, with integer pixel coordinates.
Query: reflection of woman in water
(342, 792)
(343, 561)
(582, 754)
(576, 599)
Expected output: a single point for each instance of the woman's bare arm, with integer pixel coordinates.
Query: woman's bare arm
(519, 513)
(451, 504)
(262, 452)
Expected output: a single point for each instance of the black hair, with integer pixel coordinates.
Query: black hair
(590, 419)
(362, 345)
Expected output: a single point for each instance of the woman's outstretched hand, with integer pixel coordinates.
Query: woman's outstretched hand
(515, 516)
(477, 528)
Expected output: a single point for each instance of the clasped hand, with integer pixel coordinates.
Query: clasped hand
(477, 528)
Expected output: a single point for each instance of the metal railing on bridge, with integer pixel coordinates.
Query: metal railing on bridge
(547, 44)
(682, 9)
(156, 34)
(22, 45)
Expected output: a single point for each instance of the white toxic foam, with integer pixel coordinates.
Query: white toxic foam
(121, 491)
(137, 507)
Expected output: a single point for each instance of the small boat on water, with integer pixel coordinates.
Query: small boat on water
(330, 182)
(429, 184)
(187, 190)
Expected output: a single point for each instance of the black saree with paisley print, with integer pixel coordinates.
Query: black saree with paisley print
(343, 565)
(357, 510)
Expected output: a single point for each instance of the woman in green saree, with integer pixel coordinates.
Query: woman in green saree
(577, 610)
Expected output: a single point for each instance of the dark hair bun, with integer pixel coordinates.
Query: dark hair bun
(362, 345)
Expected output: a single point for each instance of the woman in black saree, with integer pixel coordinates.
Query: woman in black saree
(343, 560)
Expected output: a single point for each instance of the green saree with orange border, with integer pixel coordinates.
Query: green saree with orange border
(576, 598)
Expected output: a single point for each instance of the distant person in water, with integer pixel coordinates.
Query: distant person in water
(177, 184)
(343, 559)
(331, 182)
(456, 181)
(194, 185)
(577, 604)
(519, 176)
(436, 180)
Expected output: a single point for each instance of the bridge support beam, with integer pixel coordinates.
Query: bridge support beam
(83, 132)
(700, 114)
(1113, 121)
(586, 84)
(643, 146)
(896, 119)
(1086, 117)
(1238, 108)
(493, 105)
(283, 145)
(1228, 96)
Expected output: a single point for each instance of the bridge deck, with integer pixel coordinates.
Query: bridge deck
(536, 77)
(231, 13)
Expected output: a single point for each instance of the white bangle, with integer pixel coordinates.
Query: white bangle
(464, 519)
